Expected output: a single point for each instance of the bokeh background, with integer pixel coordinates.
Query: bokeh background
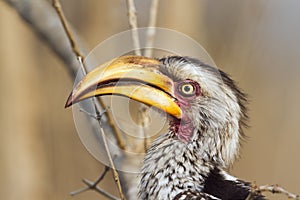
(256, 41)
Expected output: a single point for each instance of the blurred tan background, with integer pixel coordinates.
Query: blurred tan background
(256, 41)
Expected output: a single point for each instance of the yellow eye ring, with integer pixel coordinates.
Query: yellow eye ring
(187, 89)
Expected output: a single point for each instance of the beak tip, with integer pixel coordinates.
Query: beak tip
(67, 105)
(70, 101)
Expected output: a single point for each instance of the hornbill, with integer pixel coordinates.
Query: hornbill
(207, 115)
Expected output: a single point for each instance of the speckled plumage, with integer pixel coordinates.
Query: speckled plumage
(178, 169)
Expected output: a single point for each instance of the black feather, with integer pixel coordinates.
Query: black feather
(216, 185)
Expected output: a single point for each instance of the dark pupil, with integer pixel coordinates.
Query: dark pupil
(186, 88)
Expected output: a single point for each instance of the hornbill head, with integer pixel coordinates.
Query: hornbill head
(207, 112)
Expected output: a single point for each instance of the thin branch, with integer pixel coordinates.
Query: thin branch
(99, 190)
(143, 121)
(81, 62)
(133, 25)
(63, 20)
(148, 52)
(93, 186)
(80, 58)
(59, 11)
(115, 173)
(98, 118)
(275, 189)
(151, 29)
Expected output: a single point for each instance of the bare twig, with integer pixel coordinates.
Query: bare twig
(98, 118)
(63, 20)
(151, 28)
(115, 173)
(80, 57)
(143, 121)
(59, 11)
(133, 25)
(275, 189)
(148, 53)
(99, 190)
(93, 186)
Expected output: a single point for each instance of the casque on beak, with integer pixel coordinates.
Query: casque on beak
(135, 77)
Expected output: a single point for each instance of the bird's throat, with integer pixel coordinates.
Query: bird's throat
(183, 129)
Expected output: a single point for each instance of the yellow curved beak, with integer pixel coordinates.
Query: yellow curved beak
(135, 77)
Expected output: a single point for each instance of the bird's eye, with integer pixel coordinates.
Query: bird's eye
(186, 89)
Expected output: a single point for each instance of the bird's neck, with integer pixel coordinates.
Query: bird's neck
(183, 157)
(182, 129)
(171, 165)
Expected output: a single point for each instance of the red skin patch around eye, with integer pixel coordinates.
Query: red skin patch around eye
(183, 99)
(183, 128)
